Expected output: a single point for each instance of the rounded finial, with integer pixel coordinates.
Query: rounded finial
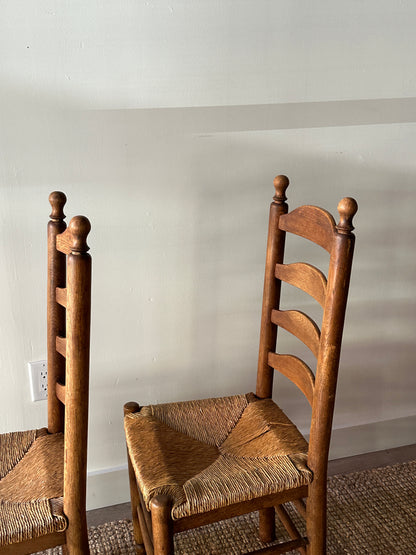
(281, 183)
(79, 227)
(57, 200)
(347, 208)
(131, 407)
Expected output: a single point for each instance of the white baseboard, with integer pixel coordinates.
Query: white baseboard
(111, 486)
(107, 487)
(376, 436)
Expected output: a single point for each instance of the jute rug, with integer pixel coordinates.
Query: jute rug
(370, 512)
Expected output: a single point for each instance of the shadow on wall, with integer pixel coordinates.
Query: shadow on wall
(379, 351)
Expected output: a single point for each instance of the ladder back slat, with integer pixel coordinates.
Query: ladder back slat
(298, 323)
(61, 296)
(61, 345)
(305, 277)
(310, 222)
(296, 370)
(60, 392)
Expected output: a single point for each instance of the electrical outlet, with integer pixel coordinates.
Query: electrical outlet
(38, 377)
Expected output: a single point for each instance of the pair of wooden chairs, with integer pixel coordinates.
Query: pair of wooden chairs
(195, 462)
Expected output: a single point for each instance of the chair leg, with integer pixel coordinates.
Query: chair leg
(160, 508)
(76, 540)
(316, 519)
(134, 497)
(267, 530)
(134, 494)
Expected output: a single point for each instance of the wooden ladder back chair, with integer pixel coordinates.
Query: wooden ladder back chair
(331, 292)
(197, 462)
(43, 472)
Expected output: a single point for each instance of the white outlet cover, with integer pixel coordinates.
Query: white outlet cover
(38, 379)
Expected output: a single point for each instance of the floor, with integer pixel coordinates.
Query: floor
(337, 466)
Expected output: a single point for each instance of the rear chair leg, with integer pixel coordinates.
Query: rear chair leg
(267, 531)
(134, 494)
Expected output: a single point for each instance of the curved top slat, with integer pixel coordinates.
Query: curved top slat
(300, 325)
(296, 370)
(310, 222)
(305, 277)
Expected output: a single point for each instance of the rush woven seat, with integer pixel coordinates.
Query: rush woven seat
(193, 463)
(31, 485)
(227, 450)
(43, 472)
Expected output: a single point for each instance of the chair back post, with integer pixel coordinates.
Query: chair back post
(329, 354)
(55, 312)
(77, 381)
(271, 290)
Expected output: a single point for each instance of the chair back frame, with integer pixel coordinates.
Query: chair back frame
(68, 322)
(318, 226)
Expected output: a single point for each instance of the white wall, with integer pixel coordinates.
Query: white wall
(165, 123)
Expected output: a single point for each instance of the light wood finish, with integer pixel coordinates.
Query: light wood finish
(317, 225)
(305, 277)
(68, 334)
(296, 370)
(298, 324)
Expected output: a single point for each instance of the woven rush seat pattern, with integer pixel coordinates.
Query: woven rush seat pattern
(31, 485)
(207, 454)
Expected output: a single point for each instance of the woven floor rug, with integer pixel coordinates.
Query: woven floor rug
(370, 512)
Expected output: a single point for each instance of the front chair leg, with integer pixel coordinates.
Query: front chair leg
(160, 508)
(76, 540)
(316, 518)
(267, 531)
